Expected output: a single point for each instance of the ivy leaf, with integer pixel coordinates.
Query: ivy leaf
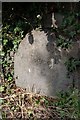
(5, 41)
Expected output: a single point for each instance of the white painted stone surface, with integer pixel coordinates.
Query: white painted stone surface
(39, 67)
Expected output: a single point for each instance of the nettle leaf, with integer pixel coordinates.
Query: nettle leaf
(72, 64)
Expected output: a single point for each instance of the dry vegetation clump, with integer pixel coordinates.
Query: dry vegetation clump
(19, 104)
